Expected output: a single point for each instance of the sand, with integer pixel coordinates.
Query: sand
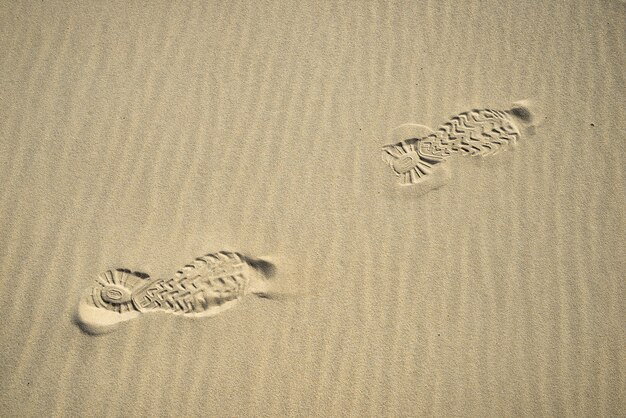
(140, 135)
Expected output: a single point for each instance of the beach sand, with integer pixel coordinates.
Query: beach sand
(140, 135)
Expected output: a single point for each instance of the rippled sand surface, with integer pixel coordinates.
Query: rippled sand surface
(140, 135)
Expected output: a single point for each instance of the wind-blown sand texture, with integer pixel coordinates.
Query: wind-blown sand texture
(138, 135)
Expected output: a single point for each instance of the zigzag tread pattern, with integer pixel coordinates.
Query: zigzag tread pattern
(209, 281)
(477, 132)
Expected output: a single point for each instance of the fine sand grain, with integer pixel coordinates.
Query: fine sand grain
(139, 135)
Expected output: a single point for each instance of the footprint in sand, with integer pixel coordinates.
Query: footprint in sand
(209, 285)
(479, 132)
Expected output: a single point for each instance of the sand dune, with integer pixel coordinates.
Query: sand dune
(141, 135)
